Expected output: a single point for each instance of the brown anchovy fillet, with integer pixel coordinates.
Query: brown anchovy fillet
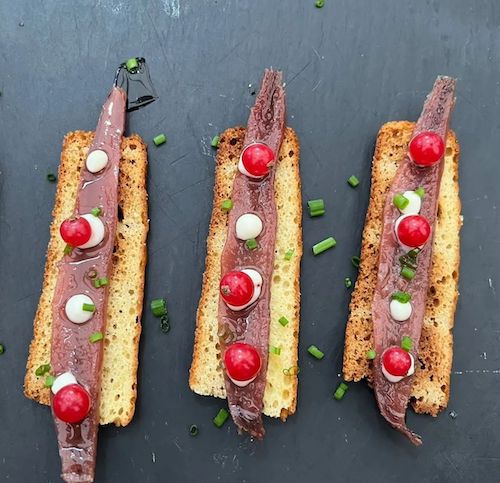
(392, 398)
(266, 124)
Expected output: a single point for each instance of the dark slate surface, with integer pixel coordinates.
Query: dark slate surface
(349, 68)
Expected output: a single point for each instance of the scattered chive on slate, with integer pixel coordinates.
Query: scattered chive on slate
(42, 370)
(226, 205)
(348, 282)
(315, 352)
(49, 380)
(221, 417)
(215, 142)
(353, 181)
(251, 244)
(355, 260)
(96, 211)
(160, 139)
(132, 64)
(96, 337)
(193, 430)
(400, 201)
(316, 207)
(407, 343)
(165, 324)
(88, 307)
(283, 321)
(420, 191)
(51, 177)
(402, 297)
(324, 245)
(2, 348)
(159, 307)
(408, 273)
(291, 371)
(371, 354)
(340, 391)
(289, 254)
(275, 350)
(320, 3)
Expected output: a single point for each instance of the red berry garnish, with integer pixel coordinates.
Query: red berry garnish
(396, 361)
(413, 230)
(426, 148)
(236, 288)
(257, 158)
(71, 403)
(75, 231)
(242, 361)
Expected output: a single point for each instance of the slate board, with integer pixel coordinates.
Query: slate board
(349, 67)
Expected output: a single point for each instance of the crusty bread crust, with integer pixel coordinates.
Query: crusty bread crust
(126, 288)
(431, 387)
(206, 377)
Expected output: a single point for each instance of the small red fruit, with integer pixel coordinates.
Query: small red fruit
(242, 361)
(236, 288)
(426, 148)
(71, 403)
(396, 361)
(257, 158)
(413, 230)
(75, 231)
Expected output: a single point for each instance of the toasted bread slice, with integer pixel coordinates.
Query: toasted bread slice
(431, 387)
(206, 377)
(126, 287)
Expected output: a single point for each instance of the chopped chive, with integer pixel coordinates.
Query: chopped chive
(275, 350)
(343, 386)
(215, 142)
(400, 201)
(340, 391)
(100, 282)
(324, 245)
(96, 337)
(221, 417)
(283, 321)
(88, 307)
(165, 324)
(226, 205)
(353, 181)
(2, 349)
(348, 282)
(193, 430)
(132, 64)
(251, 244)
(320, 3)
(51, 177)
(68, 249)
(371, 354)
(407, 343)
(420, 191)
(160, 139)
(402, 297)
(408, 273)
(413, 253)
(355, 260)
(42, 370)
(159, 307)
(49, 380)
(289, 254)
(291, 371)
(96, 211)
(315, 352)
(316, 207)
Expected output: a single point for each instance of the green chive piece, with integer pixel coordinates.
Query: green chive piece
(275, 350)
(221, 417)
(226, 205)
(407, 343)
(283, 321)
(193, 430)
(88, 307)
(320, 3)
(291, 371)
(403, 297)
(165, 324)
(160, 139)
(343, 386)
(251, 244)
(340, 391)
(215, 142)
(316, 207)
(289, 254)
(355, 260)
(324, 245)
(132, 64)
(96, 337)
(51, 177)
(68, 249)
(49, 380)
(315, 352)
(42, 370)
(371, 354)
(2, 349)
(408, 273)
(96, 211)
(348, 282)
(400, 201)
(420, 191)
(159, 307)
(353, 181)
(100, 282)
